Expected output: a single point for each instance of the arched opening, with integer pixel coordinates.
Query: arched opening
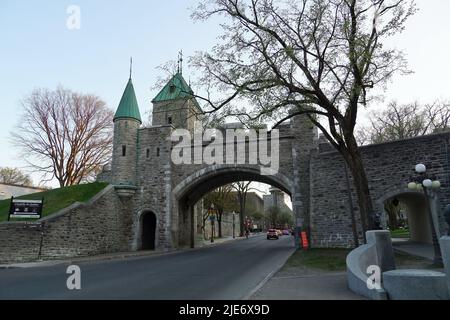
(148, 233)
(190, 191)
(407, 217)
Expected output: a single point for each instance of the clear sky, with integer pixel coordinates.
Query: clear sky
(38, 50)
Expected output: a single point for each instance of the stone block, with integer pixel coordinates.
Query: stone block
(412, 284)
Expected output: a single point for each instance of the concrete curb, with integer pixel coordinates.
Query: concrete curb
(224, 242)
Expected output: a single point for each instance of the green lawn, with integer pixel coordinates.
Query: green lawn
(333, 259)
(57, 199)
(323, 259)
(399, 233)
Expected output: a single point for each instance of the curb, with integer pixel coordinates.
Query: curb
(268, 277)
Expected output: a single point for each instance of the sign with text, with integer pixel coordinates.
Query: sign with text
(20, 208)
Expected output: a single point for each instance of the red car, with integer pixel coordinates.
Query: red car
(272, 234)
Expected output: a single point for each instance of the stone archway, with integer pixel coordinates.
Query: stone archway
(189, 191)
(415, 212)
(147, 239)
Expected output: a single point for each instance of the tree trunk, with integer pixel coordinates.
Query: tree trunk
(393, 220)
(354, 160)
(391, 210)
(241, 215)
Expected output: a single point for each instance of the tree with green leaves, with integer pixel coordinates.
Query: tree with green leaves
(315, 58)
(276, 217)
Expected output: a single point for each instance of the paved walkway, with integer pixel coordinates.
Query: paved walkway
(423, 250)
(309, 287)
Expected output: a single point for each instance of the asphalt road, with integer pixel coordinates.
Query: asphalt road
(227, 271)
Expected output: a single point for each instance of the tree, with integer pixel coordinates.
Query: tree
(272, 216)
(316, 58)
(65, 135)
(277, 217)
(405, 121)
(242, 188)
(14, 176)
(222, 200)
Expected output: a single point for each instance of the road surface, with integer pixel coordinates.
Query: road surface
(227, 271)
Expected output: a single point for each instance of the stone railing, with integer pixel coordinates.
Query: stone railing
(401, 284)
(377, 252)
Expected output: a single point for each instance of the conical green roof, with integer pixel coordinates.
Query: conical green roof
(176, 88)
(128, 106)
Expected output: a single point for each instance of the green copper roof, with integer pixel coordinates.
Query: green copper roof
(176, 88)
(128, 106)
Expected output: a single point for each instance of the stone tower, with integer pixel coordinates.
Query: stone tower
(127, 121)
(175, 105)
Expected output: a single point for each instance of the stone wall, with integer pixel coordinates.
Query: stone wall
(125, 151)
(182, 113)
(389, 167)
(227, 226)
(98, 226)
(154, 183)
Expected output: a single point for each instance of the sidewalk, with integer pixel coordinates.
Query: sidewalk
(208, 242)
(297, 281)
(308, 287)
(423, 250)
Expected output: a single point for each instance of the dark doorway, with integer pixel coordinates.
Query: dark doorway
(148, 231)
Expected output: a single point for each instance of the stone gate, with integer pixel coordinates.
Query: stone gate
(152, 203)
(310, 171)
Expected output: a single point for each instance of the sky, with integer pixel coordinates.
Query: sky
(38, 50)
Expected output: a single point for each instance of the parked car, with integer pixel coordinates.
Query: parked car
(285, 232)
(272, 234)
(279, 232)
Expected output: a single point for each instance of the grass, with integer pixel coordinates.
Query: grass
(330, 259)
(57, 199)
(400, 233)
(333, 260)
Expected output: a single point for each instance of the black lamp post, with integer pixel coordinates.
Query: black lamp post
(234, 225)
(427, 185)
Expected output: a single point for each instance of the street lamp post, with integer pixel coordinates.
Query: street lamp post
(234, 224)
(427, 185)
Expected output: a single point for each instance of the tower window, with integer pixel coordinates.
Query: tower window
(148, 153)
(172, 88)
(157, 152)
(169, 120)
(124, 151)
